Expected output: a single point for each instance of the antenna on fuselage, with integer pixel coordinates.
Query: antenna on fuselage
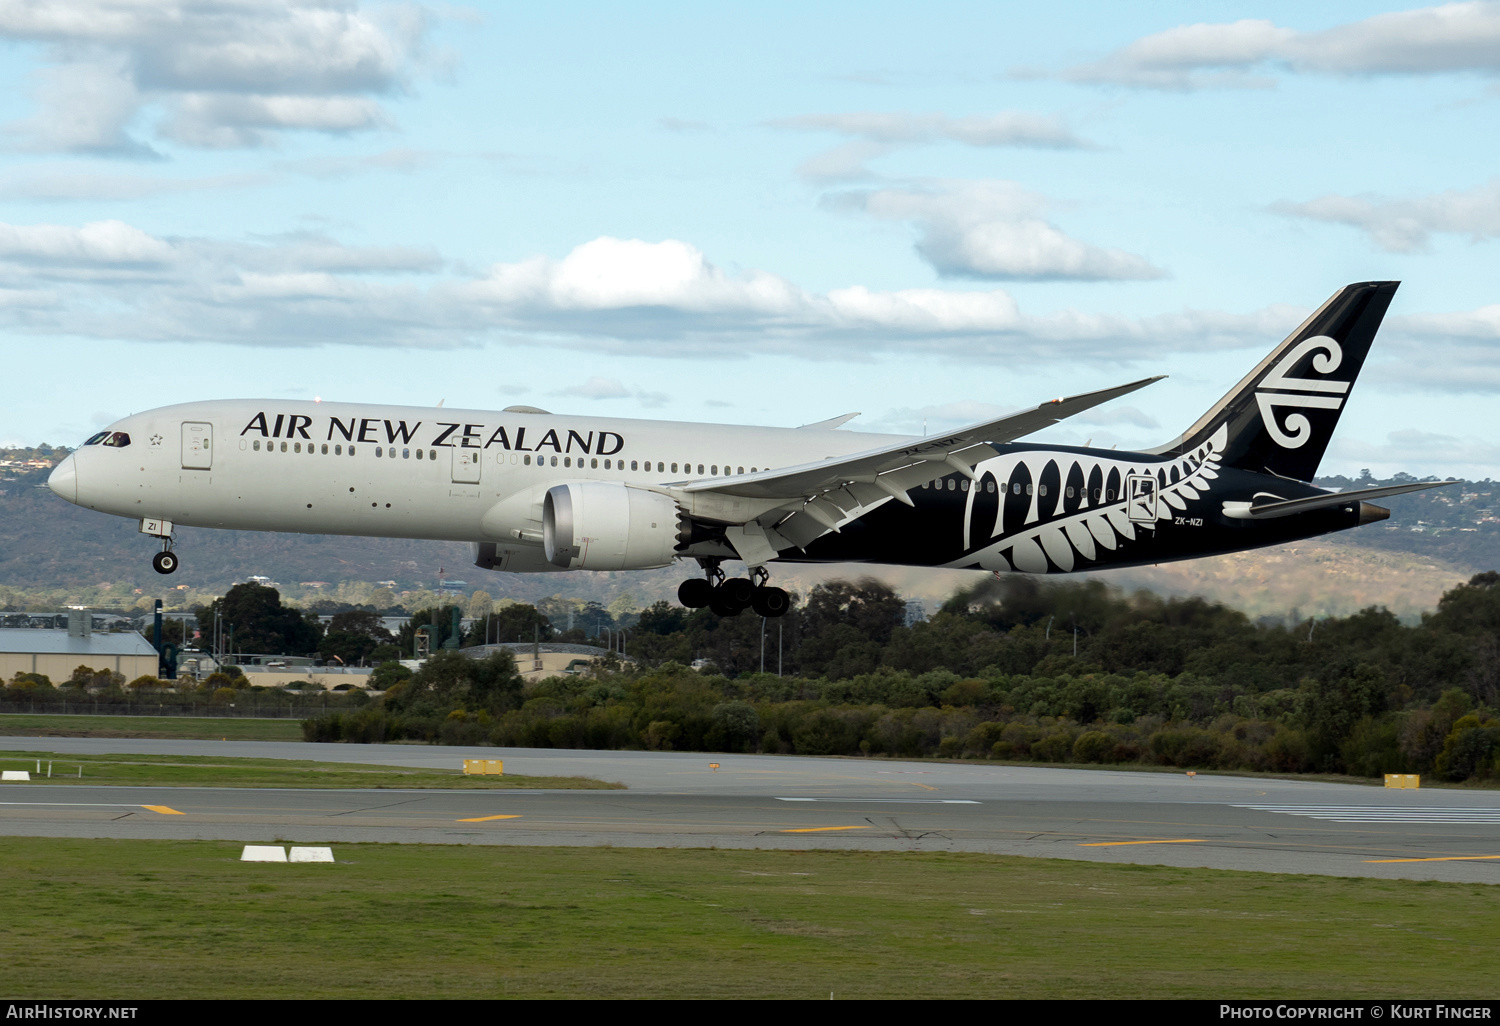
(441, 402)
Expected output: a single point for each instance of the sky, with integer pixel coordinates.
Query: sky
(749, 213)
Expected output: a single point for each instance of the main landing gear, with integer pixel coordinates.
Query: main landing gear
(733, 596)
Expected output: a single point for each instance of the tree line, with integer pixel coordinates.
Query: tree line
(1019, 669)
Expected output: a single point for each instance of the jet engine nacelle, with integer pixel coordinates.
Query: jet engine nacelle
(601, 525)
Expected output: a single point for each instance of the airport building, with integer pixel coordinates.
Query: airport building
(58, 653)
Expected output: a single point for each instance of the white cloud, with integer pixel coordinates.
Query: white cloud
(876, 133)
(848, 162)
(1452, 37)
(62, 184)
(100, 243)
(613, 388)
(225, 73)
(1008, 128)
(1405, 226)
(996, 230)
(111, 280)
(683, 125)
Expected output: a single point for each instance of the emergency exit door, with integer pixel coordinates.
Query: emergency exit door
(466, 466)
(1141, 507)
(197, 446)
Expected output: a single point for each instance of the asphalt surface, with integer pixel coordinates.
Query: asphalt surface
(677, 800)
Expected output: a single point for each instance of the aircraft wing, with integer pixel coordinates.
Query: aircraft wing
(832, 490)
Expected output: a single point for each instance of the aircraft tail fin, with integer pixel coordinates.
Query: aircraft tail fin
(1280, 418)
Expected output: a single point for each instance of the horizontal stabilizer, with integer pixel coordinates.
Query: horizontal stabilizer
(1286, 507)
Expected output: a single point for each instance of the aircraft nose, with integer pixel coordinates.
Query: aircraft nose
(64, 479)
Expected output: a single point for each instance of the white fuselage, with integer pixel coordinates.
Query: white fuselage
(401, 471)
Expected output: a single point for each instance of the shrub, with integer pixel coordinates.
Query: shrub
(1185, 746)
(823, 733)
(1469, 748)
(1055, 747)
(1093, 746)
(660, 734)
(1373, 748)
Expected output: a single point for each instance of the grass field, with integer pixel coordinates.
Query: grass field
(212, 771)
(184, 919)
(39, 725)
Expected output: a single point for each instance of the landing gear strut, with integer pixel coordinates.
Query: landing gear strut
(732, 596)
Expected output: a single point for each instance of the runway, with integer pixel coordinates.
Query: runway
(677, 800)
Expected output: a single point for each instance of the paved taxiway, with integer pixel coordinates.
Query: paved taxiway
(676, 800)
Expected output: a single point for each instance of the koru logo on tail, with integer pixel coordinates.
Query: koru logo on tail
(1301, 392)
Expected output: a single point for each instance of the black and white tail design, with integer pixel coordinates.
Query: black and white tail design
(1281, 416)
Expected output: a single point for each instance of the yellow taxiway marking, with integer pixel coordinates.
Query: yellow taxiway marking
(925, 787)
(1112, 844)
(819, 830)
(485, 819)
(1446, 858)
(163, 810)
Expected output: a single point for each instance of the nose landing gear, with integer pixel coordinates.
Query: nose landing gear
(732, 596)
(165, 561)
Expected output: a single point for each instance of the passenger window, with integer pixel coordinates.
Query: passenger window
(406, 454)
(554, 461)
(1015, 489)
(254, 445)
(1070, 491)
(391, 452)
(432, 455)
(1028, 489)
(419, 454)
(753, 470)
(324, 449)
(607, 465)
(567, 461)
(1044, 490)
(283, 447)
(700, 470)
(351, 450)
(739, 470)
(379, 452)
(661, 468)
(593, 464)
(296, 447)
(338, 450)
(964, 484)
(714, 470)
(674, 468)
(633, 465)
(526, 461)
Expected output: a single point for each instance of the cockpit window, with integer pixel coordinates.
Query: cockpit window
(117, 440)
(96, 439)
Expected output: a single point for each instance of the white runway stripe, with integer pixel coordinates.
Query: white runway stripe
(1384, 813)
(889, 801)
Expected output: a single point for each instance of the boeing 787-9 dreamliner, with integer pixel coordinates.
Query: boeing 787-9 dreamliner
(537, 492)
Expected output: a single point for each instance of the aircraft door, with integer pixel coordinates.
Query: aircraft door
(1143, 496)
(466, 465)
(197, 446)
